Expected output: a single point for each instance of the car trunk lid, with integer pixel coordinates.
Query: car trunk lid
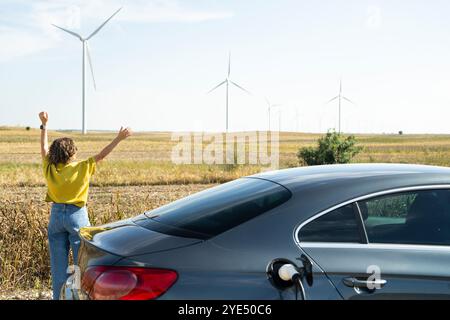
(127, 238)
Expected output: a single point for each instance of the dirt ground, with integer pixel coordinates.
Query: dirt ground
(30, 294)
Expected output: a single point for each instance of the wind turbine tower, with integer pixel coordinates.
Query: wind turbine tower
(227, 83)
(269, 109)
(340, 97)
(85, 52)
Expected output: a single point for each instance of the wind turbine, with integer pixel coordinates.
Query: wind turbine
(85, 47)
(269, 108)
(227, 82)
(340, 97)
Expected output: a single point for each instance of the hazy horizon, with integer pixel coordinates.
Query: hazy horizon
(13, 127)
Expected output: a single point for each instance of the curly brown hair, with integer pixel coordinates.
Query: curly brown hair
(62, 151)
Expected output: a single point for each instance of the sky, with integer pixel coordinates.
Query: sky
(155, 61)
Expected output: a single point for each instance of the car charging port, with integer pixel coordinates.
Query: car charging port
(283, 274)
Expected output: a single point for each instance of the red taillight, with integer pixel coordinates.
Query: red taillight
(126, 283)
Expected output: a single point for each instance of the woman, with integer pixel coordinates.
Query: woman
(68, 185)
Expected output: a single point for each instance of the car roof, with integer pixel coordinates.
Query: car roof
(392, 175)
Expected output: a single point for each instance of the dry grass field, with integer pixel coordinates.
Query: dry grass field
(138, 176)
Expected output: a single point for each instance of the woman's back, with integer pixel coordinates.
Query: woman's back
(68, 183)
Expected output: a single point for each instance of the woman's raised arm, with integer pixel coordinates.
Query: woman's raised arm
(44, 138)
(122, 135)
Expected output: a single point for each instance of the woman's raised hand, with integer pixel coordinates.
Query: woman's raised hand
(44, 117)
(124, 133)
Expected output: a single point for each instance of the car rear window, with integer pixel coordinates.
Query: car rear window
(210, 212)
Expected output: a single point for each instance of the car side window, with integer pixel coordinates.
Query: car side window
(417, 217)
(340, 225)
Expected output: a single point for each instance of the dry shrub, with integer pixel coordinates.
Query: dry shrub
(23, 244)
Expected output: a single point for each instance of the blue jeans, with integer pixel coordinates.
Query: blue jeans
(65, 222)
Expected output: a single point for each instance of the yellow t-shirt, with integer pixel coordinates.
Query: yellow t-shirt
(68, 183)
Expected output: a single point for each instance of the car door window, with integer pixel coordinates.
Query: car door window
(417, 217)
(340, 225)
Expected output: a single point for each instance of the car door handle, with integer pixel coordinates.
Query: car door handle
(368, 284)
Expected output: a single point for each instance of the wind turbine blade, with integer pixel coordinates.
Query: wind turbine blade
(234, 83)
(69, 32)
(348, 100)
(101, 26)
(332, 99)
(90, 65)
(223, 82)
(229, 63)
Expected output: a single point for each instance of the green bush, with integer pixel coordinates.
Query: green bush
(331, 149)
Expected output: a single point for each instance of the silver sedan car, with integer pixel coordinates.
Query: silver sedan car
(358, 231)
